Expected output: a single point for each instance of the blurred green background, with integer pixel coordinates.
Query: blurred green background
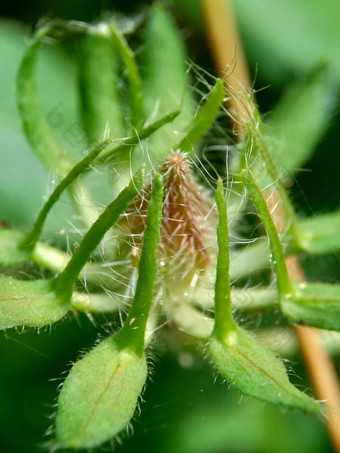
(184, 410)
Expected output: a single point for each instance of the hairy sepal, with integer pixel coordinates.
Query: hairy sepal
(99, 396)
(10, 252)
(254, 370)
(29, 303)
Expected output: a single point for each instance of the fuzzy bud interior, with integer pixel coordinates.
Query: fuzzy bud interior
(187, 230)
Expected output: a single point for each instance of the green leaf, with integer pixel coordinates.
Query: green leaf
(142, 134)
(29, 303)
(251, 259)
(204, 118)
(300, 119)
(32, 237)
(165, 84)
(55, 69)
(320, 234)
(255, 371)
(99, 396)
(314, 304)
(101, 103)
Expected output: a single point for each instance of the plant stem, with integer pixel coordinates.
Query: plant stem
(283, 282)
(108, 147)
(229, 59)
(33, 236)
(320, 368)
(319, 365)
(223, 318)
(133, 331)
(64, 282)
(126, 54)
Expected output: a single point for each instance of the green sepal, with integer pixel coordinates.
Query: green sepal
(99, 396)
(254, 370)
(29, 303)
(314, 304)
(64, 282)
(204, 118)
(10, 252)
(251, 368)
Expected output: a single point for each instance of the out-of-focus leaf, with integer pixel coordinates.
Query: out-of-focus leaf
(18, 206)
(284, 37)
(101, 104)
(219, 423)
(165, 82)
(36, 127)
(300, 119)
(319, 234)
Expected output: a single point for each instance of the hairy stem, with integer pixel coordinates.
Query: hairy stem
(229, 59)
(223, 318)
(133, 331)
(64, 282)
(321, 370)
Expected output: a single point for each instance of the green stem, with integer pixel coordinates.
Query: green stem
(278, 260)
(133, 331)
(38, 132)
(204, 118)
(139, 135)
(107, 148)
(223, 318)
(33, 236)
(63, 283)
(287, 208)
